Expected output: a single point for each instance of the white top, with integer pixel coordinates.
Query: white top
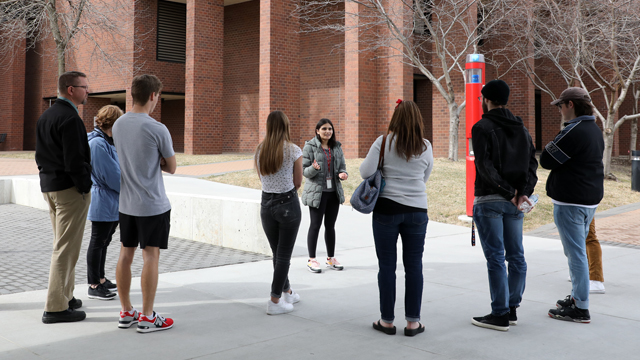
(281, 181)
(140, 142)
(405, 180)
(570, 204)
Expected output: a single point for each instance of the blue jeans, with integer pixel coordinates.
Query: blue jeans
(500, 229)
(281, 215)
(412, 227)
(573, 225)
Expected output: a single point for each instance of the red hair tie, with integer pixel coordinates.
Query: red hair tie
(398, 102)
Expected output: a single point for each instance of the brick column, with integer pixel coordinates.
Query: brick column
(12, 114)
(203, 117)
(396, 77)
(279, 64)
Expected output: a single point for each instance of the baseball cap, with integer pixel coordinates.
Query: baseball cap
(572, 93)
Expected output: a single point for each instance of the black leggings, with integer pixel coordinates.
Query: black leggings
(101, 233)
(329, 207)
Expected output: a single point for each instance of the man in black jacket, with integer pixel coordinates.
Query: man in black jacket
(505, 178)
(575, 185)
(64, 161)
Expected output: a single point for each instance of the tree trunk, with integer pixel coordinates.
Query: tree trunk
(634, 135)
(61, 60)
(608, 149)
(454, 122)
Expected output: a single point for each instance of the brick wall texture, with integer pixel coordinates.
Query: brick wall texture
(248, 59)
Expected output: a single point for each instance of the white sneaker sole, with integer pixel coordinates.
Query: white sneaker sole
(315, 271)
(144, 330)
(101, 298)
(335, 267)
(489, 326)
(127, 325)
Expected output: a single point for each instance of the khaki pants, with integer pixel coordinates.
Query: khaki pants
(594, 254)
(68, 211)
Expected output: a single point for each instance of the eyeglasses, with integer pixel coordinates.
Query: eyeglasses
(85, 87)
(559, 105)
(479, 98)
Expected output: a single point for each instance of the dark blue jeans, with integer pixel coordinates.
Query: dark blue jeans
(281, 215)
(500, 229)
(412, 227)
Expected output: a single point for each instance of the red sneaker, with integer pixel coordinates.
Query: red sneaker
(128, 318)
(154, 323)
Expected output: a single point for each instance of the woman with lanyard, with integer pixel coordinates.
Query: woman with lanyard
(324, 167)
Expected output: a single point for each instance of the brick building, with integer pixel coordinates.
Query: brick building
(226, 64)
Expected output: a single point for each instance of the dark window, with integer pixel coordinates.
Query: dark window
(172, 31)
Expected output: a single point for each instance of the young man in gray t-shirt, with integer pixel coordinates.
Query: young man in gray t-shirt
(145, 149)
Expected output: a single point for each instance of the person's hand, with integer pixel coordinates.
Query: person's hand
(523, 199)
(514, 201)
(163, 162)
(315, 165)
(343, 176)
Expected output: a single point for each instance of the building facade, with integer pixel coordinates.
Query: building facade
(225, 64)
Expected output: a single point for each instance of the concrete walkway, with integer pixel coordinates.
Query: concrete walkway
(10, 167)
(219, 312)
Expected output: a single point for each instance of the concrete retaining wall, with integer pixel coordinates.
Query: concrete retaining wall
(217, 220)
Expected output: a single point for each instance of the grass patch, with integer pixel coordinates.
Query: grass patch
(184, 159)
(181, 159)
(446, 191)
(30, 155)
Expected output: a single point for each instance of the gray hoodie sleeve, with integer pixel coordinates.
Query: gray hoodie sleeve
(370, 163)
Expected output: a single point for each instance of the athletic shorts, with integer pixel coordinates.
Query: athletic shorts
(145, 230)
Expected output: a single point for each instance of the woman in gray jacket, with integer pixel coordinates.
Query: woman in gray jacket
(324, 167)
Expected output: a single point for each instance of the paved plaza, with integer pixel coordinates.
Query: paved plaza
(219, 311)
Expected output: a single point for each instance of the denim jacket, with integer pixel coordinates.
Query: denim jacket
(105, 175)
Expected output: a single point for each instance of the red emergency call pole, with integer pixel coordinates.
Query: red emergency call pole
(474, 70)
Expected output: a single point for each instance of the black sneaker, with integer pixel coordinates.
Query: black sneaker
(500, 323)
(75, 303)
(100, 293)
(109, 285)
(571, 313)
(513, 318)
(69, 315)
(566, 302)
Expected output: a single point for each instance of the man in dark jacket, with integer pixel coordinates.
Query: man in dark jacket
(64, 161)
(505, 178)
(576, 187)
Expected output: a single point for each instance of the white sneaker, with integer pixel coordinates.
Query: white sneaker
(282, 307)
(314, 266)
(332, 263)
(596, 287)
(291, 298)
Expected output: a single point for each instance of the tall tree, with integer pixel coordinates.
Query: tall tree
(100, 27)
(593, 44)
(433, 36)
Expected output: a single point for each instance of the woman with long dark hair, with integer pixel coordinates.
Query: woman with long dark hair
(324, 167)
(401, 210)
(278, 162)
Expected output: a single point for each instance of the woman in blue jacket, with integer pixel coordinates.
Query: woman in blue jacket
(105, 192)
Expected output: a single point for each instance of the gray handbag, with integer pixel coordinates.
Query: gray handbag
(366, 194)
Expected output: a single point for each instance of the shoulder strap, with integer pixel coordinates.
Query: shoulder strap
(382, 148)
